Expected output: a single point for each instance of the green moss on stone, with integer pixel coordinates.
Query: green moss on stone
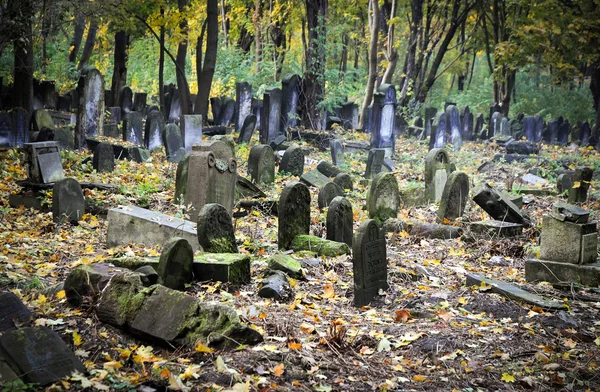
(133, 263)
(319, 245)
(224, 267)
(287, 264)
(221, 245)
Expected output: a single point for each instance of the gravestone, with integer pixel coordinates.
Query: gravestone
(43, 162)
(454, 198)
(551, 132)
(257, 107)
(327, 193)
(332, 121)
(539, 127)
(215, 105)
(383, 197)
(383, 119)
(155, 126)
(374, 162)
(368, 123)
(294, 214)
(226, 112)
(498, 206)
(337, 152)
(215, 231)
(428, 122)
(505, 129)
(292, 161)
(271, 116)
(211, 176)
(175, 108)
(496, 124)
(191, 127)
(349, 115)
(126, 100)
(114, 114)
(529, 129)
(344, 180)
(328, 169)
(90, 111)
(132, 128)
(38, 355)
(454, 127)
(64, 103)
(243, 104)
(139, 102)
(440, 136)
(6, 130)
(467, 124)
(437, 170)
(290, 100)
(261, 164)
(173, 142)
(175, 265)
(41, 119)
(582, 179)
(478, 131)
(586, 133)
(340, 220)
(314, 178)
(21, 125)
(369, 263)
(104, 158)
(277, 142)
(13, 313)
(562, 137)
(563, 183)
(247, 129)
(68, 203)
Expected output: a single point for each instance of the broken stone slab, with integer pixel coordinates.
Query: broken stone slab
(314, 178)
(534, 180)
(88, 281)
(131, 224)
(286, 264)
(222, 267)
(134, 262)
(569, 213)
(420, 229)
(121, 299)
(557, 272)
(276, 286)
(522, 148)
(175, 264)
(513, 292)
(328, 169)
(245, 188)
(38, 355)
(494, 228)
(149, 272)
(13, 313)
(498, 206)
(510, 158)
(320, 246)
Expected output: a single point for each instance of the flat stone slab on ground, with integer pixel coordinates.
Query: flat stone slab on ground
(13, 313)
(556, 272)
(497, 228)
(314, 178)
(137, 225)
(222, 267)
(513, 292)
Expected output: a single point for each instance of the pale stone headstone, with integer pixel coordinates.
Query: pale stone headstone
(428, 122)
(454, 197)
(437, 170)
(340, 220)
(261, 164)
(327, 193)
(564, 130)
(369, 263)
(215, 105)
(383, 197)
(293, 214)
(6, 130)
(132, 128)
(43, 162)
(155, 126)
(90, 113)
(337, 152)
(215, 230)
(440, 136)
(384, 107)
(479, 131)
(454, 127)
(175, 264)
(496, 124)
(292, 161)
(243, 104)
(191, 128)
(104, 158)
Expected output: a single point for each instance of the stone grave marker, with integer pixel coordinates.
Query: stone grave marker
(337, 152)
(175, 108)
(90, 113)
(327, 193)
(478, 131)
(277, 142)
(126, 100)
(562, 136)
(226, 112)
(551, 132)
(454, 127)
(496, 124)
(498, 206)
(374, 162)
(139, 102)
(271, 116)
(257, 107)
(344, 180)
(467, 125)
(440, 136)
(38, 355)
(314, 178)
(155, 126)
(43, 162)
(247, 129)
(173, 143)
(563, 183)
(211, 177)
(437, 170)
(581, 183)
(132, 128)
(243, 104)
(21, 125)
(340, 220)
(13, 313)
(261, 164)
(175, 265)
(428, 122)
(454, 197)
(332, 121)
(383, 197)
(104, 158)
(349, 115)
(215, 230)
(292, 161)
(41, 119)
(505, 129)
(290, 100)
(586, 133)
(68, 203)
(215, 105)
(6, 129)
(294, 214)
(191, 127)
(64, 103)
(383, 119)
(369, 263)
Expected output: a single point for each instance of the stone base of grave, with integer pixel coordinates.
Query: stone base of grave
(319, 245)
(222, 267)
(413, 197)
(556, 272)
(495, 228)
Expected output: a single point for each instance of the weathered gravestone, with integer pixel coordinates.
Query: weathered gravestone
(374, 162)
(314, 178)
(247, 129)
(369, 263)
(191, 127)
(13, 313)
(139, 102)
(466, 121)
(292, 161)
(243, 104)
(104, 158)
(383, 119)
(439, 131)
(337, 152)
(498, 206)
(344, 180)
(126, 100)
(68, 203)
(21, 124)
(383, 197)
(551, 132)
(454, 198)
(38, 355)
(173, 143)
(6, 130)
(290, 100)
(277, 142)
(175, 108)
(211, 176)
(90, 112)
(496, 124)
(215, 231)
(582, 179)
(428, 122)
(340, 220)
(586, 133)
(328, 169)
(563, 183)
(437, 170)
(294, 214)
(226, 112)
(564, 130)
(261, 164)
(155, 126)
(132, 128)
(327, 193)
(479, 131)
(215, 105)
(43, 162)
(454, 127)
(349, 115)
(270, 119)
(175, 264)
(41, 119)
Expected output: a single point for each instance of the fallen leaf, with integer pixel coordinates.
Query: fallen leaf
(418, 377)
(507, 377)
(278, 370)
(402, 315)
(328, 291)
(201, 348)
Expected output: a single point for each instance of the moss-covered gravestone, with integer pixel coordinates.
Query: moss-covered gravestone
(42, 119)
(437, 170)
(383, 197)
(369, 263)
(261, 164)
(454, 198)
(175, 265)
(327, 193)
(68, 203)
(320, 246)
(581, 183)
(104, 158)
(215, 231)
(340, 221)
(294, 214)
(292, 161)
(287, 264)
(374, 162)
(344, 180)
(181, 177)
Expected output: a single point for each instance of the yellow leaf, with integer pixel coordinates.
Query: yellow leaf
(295, 346)
(77, 339)
(112, 365)
(278, 370)
(201, 348)
(61, 294)
(418, 377)
(570, 343)
(328, 291)
(576, 184)
(484, 286)
(463, 301)
(507, 377)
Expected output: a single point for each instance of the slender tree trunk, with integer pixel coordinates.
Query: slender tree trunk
(391, 52)
(224, 22)
(182, 83)
(409, 64)
(373, 49)
(595, 88)
(88, 48)
(46, 24)
(205, 78)
(161, 68)
(77, 37)
(23, 55)
(119, 77)
(257, 36)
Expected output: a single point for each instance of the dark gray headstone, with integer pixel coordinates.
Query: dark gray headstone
(126, 100)
(132, 128)
(374, 162)
(344, 180)
(243, 104)
(349, 115)
(454, 127)
(582, 179)
(155, 126)
(247, 129)
(337, 152)
(383, 119)
(340, 221)
(215, 230)
(277, 142)
(292, 161)
(104, 158)
(68, 203)
(114, 114)
(175, 264)
(173, 143)
(429, 117)
(454, 198)
(586, 133)
(139, 102)
(294, 214)
(498, 206)
(6, 129)
(562, 138)
(90, 112)
(215, 105)
(314, 178)
(261, 164)
(20, 123)
(369, 263)
(226, 113)
(13, 313)
(271, 116)
(551, 132)
(440, 137)
(327, 193)
(290, 100)
(478, 131)
(467, 124)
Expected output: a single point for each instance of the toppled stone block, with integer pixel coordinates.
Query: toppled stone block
(121, 299)
(222, 267)
(286, 264)
(498, 206)
(320, 246)
(568, 242)
(494, 228)
(277, 287)
(558, 272)
(88, 281)
(420, 229)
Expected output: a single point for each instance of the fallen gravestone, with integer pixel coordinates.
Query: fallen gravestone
(314, 178)
(369, 263)
(522, 147)
(340, 221)
(494, 229)
(286, 264)
(344, 180)
(383, 197)
(68, 203)
(420, 229)
(215, 231)
(104, 158)
(292, 161)
(86, 282)
(261, 164)
(276, 286)
(320, 246)
(498, 206)
(276, 143)
(222, 267)
(13, 313)
(294, 214)
(328, 169)
(454, 198)
(437, 170)
(327, 193)
(175, 265)
(43, 162)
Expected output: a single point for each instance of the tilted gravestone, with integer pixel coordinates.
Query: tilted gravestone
(454, 198)
(175, 264)
(327, 193)
(155, 126)
(270, 119)
(215, 231)
(581, 183)
(454, 127)
(90, 113)
(261, 164)
(437, 170)
(243, 104)
(498, 206)
(13, 313)
(369, 263)
(191, 128)
(43, 162)
(337, 152)
(440, 126)
(132, 128)
(41, 119)
(383, 197)
(314, 178)
(104, 158)
(292, 161)
(226, 112)
(374, 162)
(340, 221)
(211, 176)
(247, 129)
(344, 180)
(173, 142)
(68, 203)
(290, 101)
(126, 100)
(293, 214)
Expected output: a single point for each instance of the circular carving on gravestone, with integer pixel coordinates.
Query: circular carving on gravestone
(293, 214)
(454, 198)
(232, 165)
(175, 264)
(327, 193)
(292, 161)
(383, 197)
(104, 158)
(211, 159)
(344, 180)
(215, 231)
(340, 221)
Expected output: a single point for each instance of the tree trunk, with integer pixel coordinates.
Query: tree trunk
(257, 39)
(90, 41)
(22, 13)
(119, 77)
(182, 83)
(409, 64)
(595, 88)
(46, 24)
(373, 49)
(161, 68)
(205, 77)
(224, 22)
(391, 53)
(77, 37)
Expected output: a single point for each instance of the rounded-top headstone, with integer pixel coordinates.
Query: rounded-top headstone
(340, 220)
(104, 158)
(247, 129)
(369, 262)
(383, 197)
(261, 164)
(327, 193)
(68, 203)
(181, 179)
(344, 180)
(175, 264)
(215, 230)
(454, 197)
(437, 160)
(292, 161)
(42, 118)
(563, 183)
(293, 214)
